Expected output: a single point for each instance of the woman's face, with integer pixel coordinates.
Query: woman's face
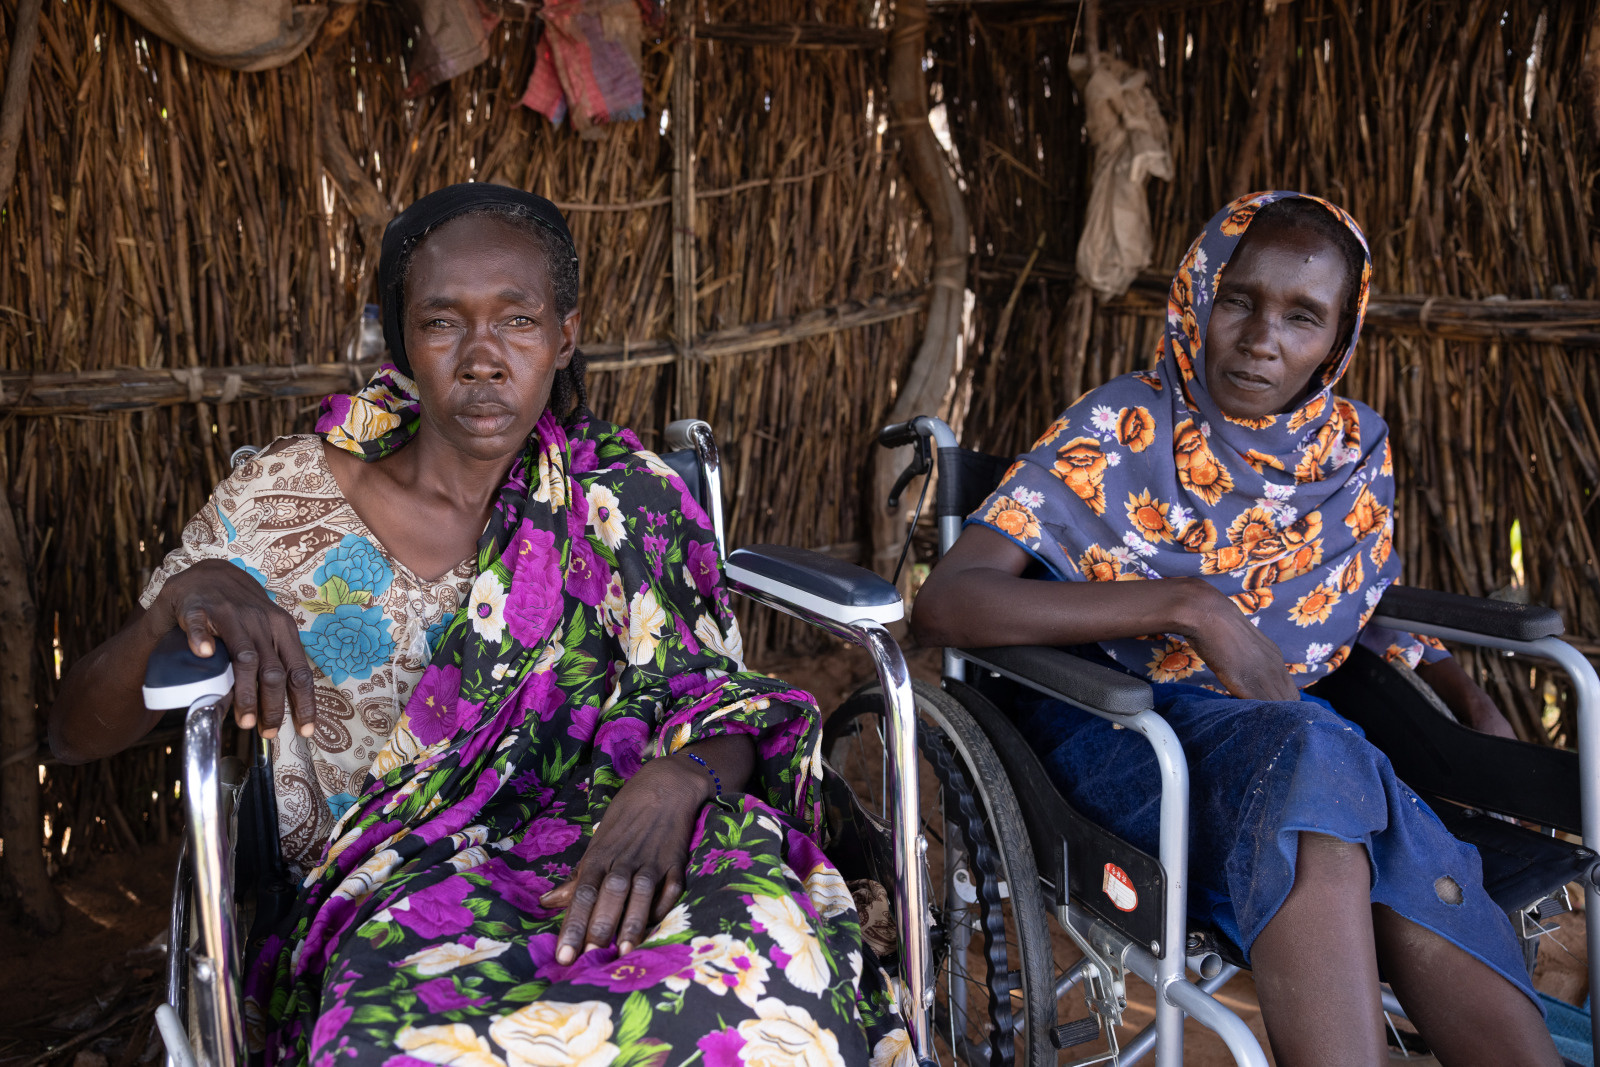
(1275, 321)
(483, 334)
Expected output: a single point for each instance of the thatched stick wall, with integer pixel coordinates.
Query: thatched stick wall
(1454, 134)
(217, 232)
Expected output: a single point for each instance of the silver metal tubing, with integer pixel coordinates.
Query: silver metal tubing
(1173, 852)
(1195, 1000)
(1204, 1009)
(1586, 687)
(178, 957)
(214, 964)
(1206, 965)
(1070, 978)
(1391, 1003)
(905, 804)
(696, 434)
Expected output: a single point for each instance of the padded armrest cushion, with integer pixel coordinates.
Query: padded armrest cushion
(176, 677)
(1061, 674)
(1491, 618)
(817, 582)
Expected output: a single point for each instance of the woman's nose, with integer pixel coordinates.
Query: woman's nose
(1255, 338)
(482, 359)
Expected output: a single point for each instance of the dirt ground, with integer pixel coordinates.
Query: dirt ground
(85, 997)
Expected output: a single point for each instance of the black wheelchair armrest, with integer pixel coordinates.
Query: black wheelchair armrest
(175, 677)
(1067, 677)
(1492, 618)
(824, 587)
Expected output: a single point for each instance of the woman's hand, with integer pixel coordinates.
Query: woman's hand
(633, 871)
(271, 674)
(1245, 660)
(1463, 696)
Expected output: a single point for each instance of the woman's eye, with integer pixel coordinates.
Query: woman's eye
(521, 320)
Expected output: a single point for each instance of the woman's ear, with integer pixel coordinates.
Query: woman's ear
(570, 324)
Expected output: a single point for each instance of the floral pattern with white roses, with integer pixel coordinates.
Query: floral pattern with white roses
(607, 640)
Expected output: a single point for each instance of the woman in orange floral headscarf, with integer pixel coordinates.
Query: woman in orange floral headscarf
(1223, 528)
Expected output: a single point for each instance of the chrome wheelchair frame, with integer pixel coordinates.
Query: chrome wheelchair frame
(207, 1029)
(1109, 953)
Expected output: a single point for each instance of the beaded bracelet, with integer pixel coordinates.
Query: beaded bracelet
(709, 771)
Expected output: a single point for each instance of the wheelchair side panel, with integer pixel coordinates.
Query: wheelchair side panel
(1120, 884)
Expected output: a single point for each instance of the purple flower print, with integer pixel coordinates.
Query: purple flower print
(690, 508)
(548, 836)
(432, 708)
(782, 740)
(541, 694)
(533, 604)
(529, 784)
(623, 740)
(329, 1023)
(436, 911)
(583, 723)
(639, 969)
(520, 889)
(453, 818)
(701, 559)
(689, 684)
(400, 1059)
(441, 994)
(803, 855)
(655, 550)
(720, 859)
(630, 439)
(586, 575)
(558, 872)
(720, 1047)
(687, 637)
(582, 461)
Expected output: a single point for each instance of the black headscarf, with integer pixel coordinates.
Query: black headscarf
(435, 209)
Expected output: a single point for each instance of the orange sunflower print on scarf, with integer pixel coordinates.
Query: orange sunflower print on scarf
(1289, 514)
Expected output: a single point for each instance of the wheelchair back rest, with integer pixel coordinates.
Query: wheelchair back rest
(966, 478)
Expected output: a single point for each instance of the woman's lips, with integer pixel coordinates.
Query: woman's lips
(486, 422)
(1247, 382)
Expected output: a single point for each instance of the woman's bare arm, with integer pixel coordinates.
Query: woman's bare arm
(100, 710)
(976, 598)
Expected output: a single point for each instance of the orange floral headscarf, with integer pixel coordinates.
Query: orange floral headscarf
(1290, 515)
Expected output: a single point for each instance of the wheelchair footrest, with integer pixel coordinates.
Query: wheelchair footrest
(1077, 1032)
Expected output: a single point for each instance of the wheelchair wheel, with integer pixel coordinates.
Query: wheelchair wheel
(994, 994)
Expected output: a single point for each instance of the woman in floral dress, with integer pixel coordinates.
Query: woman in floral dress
(589, 837)
(1223, 527)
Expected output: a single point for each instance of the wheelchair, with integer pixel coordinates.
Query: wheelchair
(1124, 909)
(232, 887)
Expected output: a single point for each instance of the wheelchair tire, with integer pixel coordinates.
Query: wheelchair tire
(991, 946)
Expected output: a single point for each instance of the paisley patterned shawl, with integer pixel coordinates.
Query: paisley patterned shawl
(598, 635)
(1291, 515)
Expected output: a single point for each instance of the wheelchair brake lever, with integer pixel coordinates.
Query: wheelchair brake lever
(921, 464)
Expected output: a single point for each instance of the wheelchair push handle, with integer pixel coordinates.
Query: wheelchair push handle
(898, 434)
(176, 677)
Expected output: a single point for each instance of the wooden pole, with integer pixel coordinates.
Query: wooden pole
(934, 366)
(24, 36)
(1274, 65)
(687, 398)
(20, 826)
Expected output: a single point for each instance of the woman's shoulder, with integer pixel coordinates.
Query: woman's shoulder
(292, 464)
